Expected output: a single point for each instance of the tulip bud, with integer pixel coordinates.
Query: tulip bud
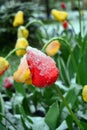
(84, 93)
(8, 82)
(59, 15)
(53, 48)
(21, 43)
(18, 19)
(4, 65)
(22, 32)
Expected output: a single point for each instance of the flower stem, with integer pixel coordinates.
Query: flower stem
(67, 106)
(80, 23)
(39, 22)
(11, 52)
(8, 121)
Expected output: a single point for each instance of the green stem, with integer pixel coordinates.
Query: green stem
(71, 26)
(69, 49)
(39, 22)
(8, 121)
(80, 23)
(11, 52)
(67, 106)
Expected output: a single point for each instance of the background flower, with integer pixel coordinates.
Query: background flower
(4, 65)
(18, 19)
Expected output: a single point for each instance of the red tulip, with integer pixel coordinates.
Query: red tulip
(65, 24)
(8, 82)
(42, 67)
(63, 6)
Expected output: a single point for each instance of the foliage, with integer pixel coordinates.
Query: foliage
(59, 106)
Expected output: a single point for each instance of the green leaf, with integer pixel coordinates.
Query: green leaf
(20, 88)
(25, 124)
(69, 122)
(1, 106)
(84, 124)
(52, 116)
(63, 71)
(2, 127)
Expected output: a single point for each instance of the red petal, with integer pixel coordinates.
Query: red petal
(43, 68)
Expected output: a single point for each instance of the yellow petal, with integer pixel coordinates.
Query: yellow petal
(4, 65)
(21, 43)
(84, 93)
(18, 19)
(59, 15)
(53, 48)
(23, 74)
(22, 32)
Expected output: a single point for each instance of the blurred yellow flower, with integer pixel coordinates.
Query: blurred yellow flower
(4, 65)
(23, 74)
(53, 48)
(59, 15)
(21, 43)
(22, 32)
(84, 93)
(18, 19)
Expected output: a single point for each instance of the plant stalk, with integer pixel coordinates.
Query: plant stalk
(67, 106)
(11, 52)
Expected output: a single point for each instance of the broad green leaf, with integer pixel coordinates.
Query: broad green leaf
(52, 116)
(69, 122)
(20, 88)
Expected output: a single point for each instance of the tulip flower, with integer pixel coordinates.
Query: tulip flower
(4, 65)
(36, 68)
(23, 74)
(42, 67)
(22, 32)
(63, 6)
(65, 24)
(84, 93)
(59, 15)
(18, 19)
(53, 48)
(8, 82)
(21, 43)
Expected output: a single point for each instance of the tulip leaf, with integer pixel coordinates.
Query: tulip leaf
(52, 116)
(1, 106)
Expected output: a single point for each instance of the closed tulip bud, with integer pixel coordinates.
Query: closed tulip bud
(84, 93)
(18, 19)
(53, 48)
(22, 32)
(63, 6)
(8, 82)
(21, 43)
(4, 65)
(65, 24)
(59, 15)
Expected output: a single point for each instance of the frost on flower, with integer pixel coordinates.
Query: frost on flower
(42, 67)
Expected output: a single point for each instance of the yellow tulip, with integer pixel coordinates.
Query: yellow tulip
(84, 93)
(59, 15)
(23, 74)
(53, 48)
(4, 65)
(22, 32)
(21, 43)
(18, 19)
